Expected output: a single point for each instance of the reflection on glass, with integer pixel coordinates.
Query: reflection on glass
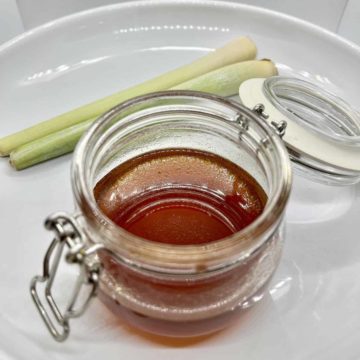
(312, 202)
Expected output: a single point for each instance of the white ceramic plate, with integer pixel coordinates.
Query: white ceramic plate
(312, 308)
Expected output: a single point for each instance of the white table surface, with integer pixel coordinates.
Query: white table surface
(341, 16)
(10, 20)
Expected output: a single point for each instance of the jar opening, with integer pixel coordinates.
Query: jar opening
(187, 120)
(180, 196)
(322, 133)
(315, 108)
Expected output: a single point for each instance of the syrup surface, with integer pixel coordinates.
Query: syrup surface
(180, 196)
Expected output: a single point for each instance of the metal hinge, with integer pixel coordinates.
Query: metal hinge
(67, 234)
(280, 127)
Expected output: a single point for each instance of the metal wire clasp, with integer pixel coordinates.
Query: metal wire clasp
(67, 232)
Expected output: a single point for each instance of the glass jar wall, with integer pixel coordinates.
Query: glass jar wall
(182, 290)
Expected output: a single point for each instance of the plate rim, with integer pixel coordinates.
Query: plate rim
(68, 19)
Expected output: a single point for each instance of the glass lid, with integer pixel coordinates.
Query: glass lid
(322, 131)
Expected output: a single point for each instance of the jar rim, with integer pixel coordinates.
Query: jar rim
(275, 87)
(323, 131)
(182, 258)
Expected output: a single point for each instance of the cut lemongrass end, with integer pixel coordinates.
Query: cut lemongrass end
(226, 81)
(48, 147)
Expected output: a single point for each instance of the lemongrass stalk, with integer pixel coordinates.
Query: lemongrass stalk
(240, 49)
(48, 147)
(224, 81)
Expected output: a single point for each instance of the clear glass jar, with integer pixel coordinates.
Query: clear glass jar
(173, 290)
(323, 131)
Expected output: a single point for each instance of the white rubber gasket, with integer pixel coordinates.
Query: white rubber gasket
(300, 138)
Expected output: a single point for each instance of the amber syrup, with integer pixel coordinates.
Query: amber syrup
(180, 196)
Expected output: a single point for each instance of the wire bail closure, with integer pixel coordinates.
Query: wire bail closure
(67, 232)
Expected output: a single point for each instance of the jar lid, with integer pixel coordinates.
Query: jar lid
(322, 131)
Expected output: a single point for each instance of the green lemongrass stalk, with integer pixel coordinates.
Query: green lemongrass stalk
(224, 82)
(240, 49)
(48, 147)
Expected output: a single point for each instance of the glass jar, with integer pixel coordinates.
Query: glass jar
(173, 290)
(323, 131)
(189, 290)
